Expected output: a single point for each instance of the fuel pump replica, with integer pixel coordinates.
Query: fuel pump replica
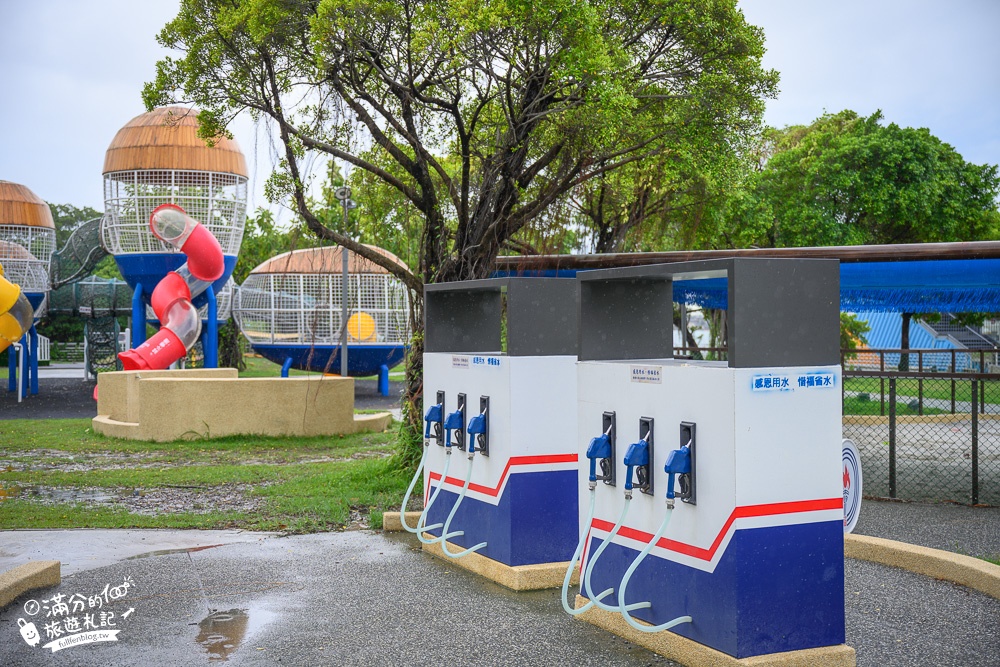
(718, 507)
(500, 392)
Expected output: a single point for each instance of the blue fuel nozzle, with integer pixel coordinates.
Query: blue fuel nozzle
(477, 426)
(599, 448)
(636, 455)
(678, 463)
(433, 416)
(451, 423)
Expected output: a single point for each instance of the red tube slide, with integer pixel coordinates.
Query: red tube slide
(171, 299)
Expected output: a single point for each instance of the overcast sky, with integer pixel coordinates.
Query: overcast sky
(71, 74)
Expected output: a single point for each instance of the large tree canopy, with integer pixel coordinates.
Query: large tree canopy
(479, 115)
(847, 180)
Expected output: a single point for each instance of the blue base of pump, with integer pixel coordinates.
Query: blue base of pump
(535, 522)
(765, 583)
(362, 360)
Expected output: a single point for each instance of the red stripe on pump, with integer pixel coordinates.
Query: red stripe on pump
(749, 511)
(513, 461)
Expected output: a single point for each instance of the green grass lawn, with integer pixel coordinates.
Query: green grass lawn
(854, 405)
(259, 367)
(932, 388)
(294, 485)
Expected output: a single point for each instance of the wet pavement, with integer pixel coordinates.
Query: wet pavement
(364, 598)
(971, 531)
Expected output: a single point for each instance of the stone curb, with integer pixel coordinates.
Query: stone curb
(516, 578)
(975, 573)
(391, 523)
(28, 577)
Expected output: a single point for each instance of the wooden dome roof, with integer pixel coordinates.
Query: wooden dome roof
(21, 206)
(324, 260)
(10, 250)
(167, 138)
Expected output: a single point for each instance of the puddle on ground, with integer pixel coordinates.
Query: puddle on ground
(54, 494)
(222, 632)
(168, 552)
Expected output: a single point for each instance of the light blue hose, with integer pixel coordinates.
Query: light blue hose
(451, 515)
(573, 561)
(409, 490)
(593, 560)
(423, 515)
(628, 575)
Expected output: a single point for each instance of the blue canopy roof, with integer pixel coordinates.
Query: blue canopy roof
(914, 286)
(925, 286)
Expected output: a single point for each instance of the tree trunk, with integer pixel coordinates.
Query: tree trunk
(230, 351)
(904, 343)
(410, 440)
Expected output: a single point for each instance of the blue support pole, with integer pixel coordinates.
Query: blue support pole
(383, 380)
(285, 367)
(33, 359)
(210, 336)
(11, 369)
(138, 317)
(24, 366)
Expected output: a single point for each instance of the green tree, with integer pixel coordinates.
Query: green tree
(848, 179)
(481, 115)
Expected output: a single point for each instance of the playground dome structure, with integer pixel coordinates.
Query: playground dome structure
(289, 308)
(157, 158)
(27, 241)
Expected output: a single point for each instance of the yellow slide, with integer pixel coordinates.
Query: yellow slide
(16, 314)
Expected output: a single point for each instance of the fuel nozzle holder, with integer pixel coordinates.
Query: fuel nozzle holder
(477, 429)
(433, 416)
(453, 422)
(680, 466)
(636, 456)
(598, 449)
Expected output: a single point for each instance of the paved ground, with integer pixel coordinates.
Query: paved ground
(363, 598)
(973, 531)
(64, 394)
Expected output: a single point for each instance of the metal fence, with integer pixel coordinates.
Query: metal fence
(930, 433)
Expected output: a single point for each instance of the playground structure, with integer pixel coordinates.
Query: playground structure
(290, 309)
(27, 240)
(16, 313)
(171, 298)
(157, 158)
